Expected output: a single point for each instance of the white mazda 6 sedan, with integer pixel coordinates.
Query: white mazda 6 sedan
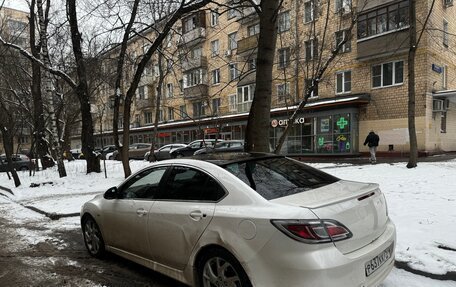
(245, 220)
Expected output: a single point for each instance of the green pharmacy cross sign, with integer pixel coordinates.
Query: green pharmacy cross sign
(342, 122)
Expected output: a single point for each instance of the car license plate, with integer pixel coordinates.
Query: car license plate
(372, 265)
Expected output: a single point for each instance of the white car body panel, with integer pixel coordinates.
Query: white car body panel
(241, 223)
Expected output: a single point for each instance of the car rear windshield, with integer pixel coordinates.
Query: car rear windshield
(279, 177)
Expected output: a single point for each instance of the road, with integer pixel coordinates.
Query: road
(61, 260)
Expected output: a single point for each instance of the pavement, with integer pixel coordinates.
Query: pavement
(381, 158)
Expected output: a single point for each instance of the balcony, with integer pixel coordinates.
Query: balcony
(248, 16)
(143, 103)
(193, 63)
(383, 45)
(195, 92)
(193, 37)
(247, 44)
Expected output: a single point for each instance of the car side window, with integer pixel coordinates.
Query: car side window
(144, 185)
(185, 183)
(195, 145)
(166, 148)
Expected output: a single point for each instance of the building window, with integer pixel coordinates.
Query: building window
(169, 90)
(183, 111)
(190, 23)
(214, 18)
(232, 13)
(181, 85)
(389, 18)
(253, 30)
(341, 36)
(309, 11)
(245, 97)
(284, 57)
(445, 33)
(215, 48)
(193, 78)
(148, 117)
(388, 74)
(216, 106)
(284, 21)
(232, 43)
(170, 113)
(251, 64)
(216, 76)
(120, 123)
(343, 6)
(198, 109)
(232, 106)
(311, 49)
(343, 82)
(283, 92)
(141, 92)
(445, 77)
(308, 85)
(443, 122)
(233, 72)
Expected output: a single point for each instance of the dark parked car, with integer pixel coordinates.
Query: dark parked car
(224, 146)
(164, 152)
(107, 149)
(190, 149)
(20, 162)
(135, 151)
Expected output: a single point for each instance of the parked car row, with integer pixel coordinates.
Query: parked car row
(20, 162)
(168, 151)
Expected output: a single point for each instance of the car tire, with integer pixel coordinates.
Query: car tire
(218, 267)
(93, 239)
(24, 168)
(179, 155)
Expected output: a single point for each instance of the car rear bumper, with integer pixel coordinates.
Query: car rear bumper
(286, 262)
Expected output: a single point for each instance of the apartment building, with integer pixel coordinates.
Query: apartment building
(210, 77)
(14, 29)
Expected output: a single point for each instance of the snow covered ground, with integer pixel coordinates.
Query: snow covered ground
(421, 201)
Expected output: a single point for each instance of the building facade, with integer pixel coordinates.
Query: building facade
(14, 29)
(209, 63)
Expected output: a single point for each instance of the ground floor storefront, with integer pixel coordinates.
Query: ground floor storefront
(323, 128)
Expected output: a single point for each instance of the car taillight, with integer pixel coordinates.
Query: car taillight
(313, 231)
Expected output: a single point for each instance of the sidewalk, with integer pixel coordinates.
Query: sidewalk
(364, 159)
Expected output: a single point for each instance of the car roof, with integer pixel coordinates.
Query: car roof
(226, 158)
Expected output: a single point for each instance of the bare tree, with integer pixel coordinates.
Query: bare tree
(413, 46)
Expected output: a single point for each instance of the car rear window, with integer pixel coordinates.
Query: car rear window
(279, 177)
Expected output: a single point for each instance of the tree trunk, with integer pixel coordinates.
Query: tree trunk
(41, 145)
(8, 146)
(157, 106)
(49, 87)
(257, 130)
(87, 138)
(413, 158)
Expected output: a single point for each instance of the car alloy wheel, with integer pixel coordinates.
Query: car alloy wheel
(219, 268)
(92, 237)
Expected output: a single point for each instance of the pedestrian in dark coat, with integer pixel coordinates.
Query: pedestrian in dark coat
(372, 140)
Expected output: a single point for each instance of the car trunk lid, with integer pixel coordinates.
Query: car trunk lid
(361, 207)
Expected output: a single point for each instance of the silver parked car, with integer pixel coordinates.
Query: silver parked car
(164, 152)
(245, 220)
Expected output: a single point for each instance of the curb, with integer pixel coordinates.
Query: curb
(449, 276)
(52, 215)
(6, 189)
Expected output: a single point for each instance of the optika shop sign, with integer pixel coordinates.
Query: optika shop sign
(283, 123)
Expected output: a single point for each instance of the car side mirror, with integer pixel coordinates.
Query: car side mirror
(112, 193)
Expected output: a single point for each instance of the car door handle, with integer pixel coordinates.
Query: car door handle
(197, 215)
(141, 212)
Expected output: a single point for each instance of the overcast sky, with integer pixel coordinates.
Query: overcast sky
(16, 4)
